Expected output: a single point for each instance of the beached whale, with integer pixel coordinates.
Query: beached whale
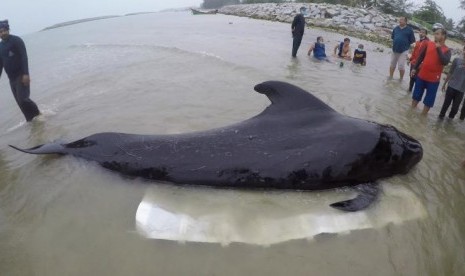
(298, 142)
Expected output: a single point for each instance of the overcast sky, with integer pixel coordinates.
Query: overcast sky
(27, 16)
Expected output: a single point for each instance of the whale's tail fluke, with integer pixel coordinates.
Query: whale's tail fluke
(50, 148)
(368, 193)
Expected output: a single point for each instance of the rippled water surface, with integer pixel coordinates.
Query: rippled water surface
(173, 73)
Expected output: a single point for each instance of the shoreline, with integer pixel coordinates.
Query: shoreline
(367, 24)
(79, 21)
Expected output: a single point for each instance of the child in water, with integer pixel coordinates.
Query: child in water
(360, 56)
(318, 49)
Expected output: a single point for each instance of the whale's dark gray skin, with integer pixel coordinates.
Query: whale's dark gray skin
(298, 143)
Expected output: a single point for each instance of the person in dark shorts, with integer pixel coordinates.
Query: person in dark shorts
(432, 60)
(455, 83)
(298, 29)
(360, 56)
(13, 58)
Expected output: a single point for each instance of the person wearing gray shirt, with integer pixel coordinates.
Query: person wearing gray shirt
(455, 84)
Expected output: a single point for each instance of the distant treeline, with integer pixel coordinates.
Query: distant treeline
(427, 14)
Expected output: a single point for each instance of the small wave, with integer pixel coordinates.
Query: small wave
(122, 46)
(46, 111)
(15, 127)
(207, 54)
(146, 46)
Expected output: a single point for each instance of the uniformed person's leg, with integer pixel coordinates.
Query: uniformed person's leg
(21, 93)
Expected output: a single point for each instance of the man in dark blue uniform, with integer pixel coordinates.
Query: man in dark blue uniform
(13, 57)
(298, 28)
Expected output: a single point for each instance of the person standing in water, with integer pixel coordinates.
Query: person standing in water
(402, 37)
(360, 56)
(432, 61)
(318, 49)
(455, 83)
(342, 50)
(298, 29)
(419, 46)
(13, 57)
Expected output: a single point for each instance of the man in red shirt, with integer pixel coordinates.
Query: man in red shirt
(419, 46)
(429, 66)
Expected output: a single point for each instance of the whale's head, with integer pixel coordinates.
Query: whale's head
(396, 152)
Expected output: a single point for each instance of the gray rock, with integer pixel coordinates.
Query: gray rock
(339, 20)
(330, 13)
(366, 19)
(369, 22)
(370, 27)
(373, 12)
(315, 11)
(378, 19)
(352, 28)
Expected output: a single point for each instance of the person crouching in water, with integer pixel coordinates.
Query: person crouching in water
(13, 57)
(318, 49)
(455, 83)
(360, 56)
(432, 61)
(343, 49)
(419, 47)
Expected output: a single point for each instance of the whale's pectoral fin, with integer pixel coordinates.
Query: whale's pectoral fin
(51, 148)
(367, 194)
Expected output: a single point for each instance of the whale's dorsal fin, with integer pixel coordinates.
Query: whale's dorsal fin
(285, 96)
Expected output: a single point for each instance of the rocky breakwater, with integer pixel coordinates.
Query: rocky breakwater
(369, 24)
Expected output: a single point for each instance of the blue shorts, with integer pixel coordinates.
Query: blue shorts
(431, 90)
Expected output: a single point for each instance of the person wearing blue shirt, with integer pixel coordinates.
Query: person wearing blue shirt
(318, 49)
(402, 37)
(13, 58)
